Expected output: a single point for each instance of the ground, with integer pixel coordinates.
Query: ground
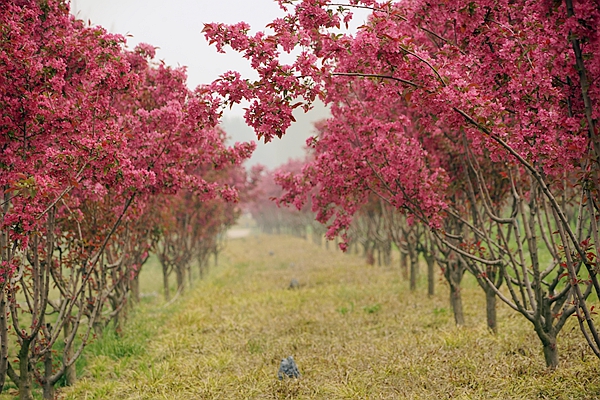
(356, 332)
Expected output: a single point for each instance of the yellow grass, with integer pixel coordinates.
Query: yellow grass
(355, 331)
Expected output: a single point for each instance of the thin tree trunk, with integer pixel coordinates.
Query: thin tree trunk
(189, 274)
(24, 372)
(414, 270)
(551, 353)
(180, 275)
(387, 254)
(456, 303)
(115, 304)
(202, 266)
(98, 327)
(135, 288)
(48, 385)
(490, 307)
(404, 264)
(454, 274)
(3, 340)
(166, 291)
(430, 274)
(70, 371)
(548, 339)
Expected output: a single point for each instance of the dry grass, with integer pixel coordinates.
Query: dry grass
(355, 331)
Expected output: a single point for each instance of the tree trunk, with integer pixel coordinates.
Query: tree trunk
(387, 254)
(202, 266)
(166, 291)
(180, 275)
(370, 257)
(115, 303)
(3, 340)
(430, 274)
(135, 288)
(70, 371)
(454, 274)
(24, 372)
(414, 270)
(490, 307)
(404, 264)
(456, 303)
(48, 385)
(551, 353)
(98, 327)
(189, 274)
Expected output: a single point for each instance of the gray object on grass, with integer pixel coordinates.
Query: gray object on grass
(294, 284)
(288, 368)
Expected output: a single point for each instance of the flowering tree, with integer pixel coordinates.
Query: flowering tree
(433, 104)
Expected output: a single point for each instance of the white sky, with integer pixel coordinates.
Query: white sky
(175, 27)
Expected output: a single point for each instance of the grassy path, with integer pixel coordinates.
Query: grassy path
(355, 331)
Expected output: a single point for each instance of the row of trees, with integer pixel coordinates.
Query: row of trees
(105, 155)
(193, 230)
(476, 120)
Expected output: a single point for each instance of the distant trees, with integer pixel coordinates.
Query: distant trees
(269, 216)
(191, 228)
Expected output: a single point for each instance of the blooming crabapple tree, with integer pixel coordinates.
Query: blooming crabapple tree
(423, 88)
(88, 133)
(408, 238)
(175, 250)
(127, 250)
